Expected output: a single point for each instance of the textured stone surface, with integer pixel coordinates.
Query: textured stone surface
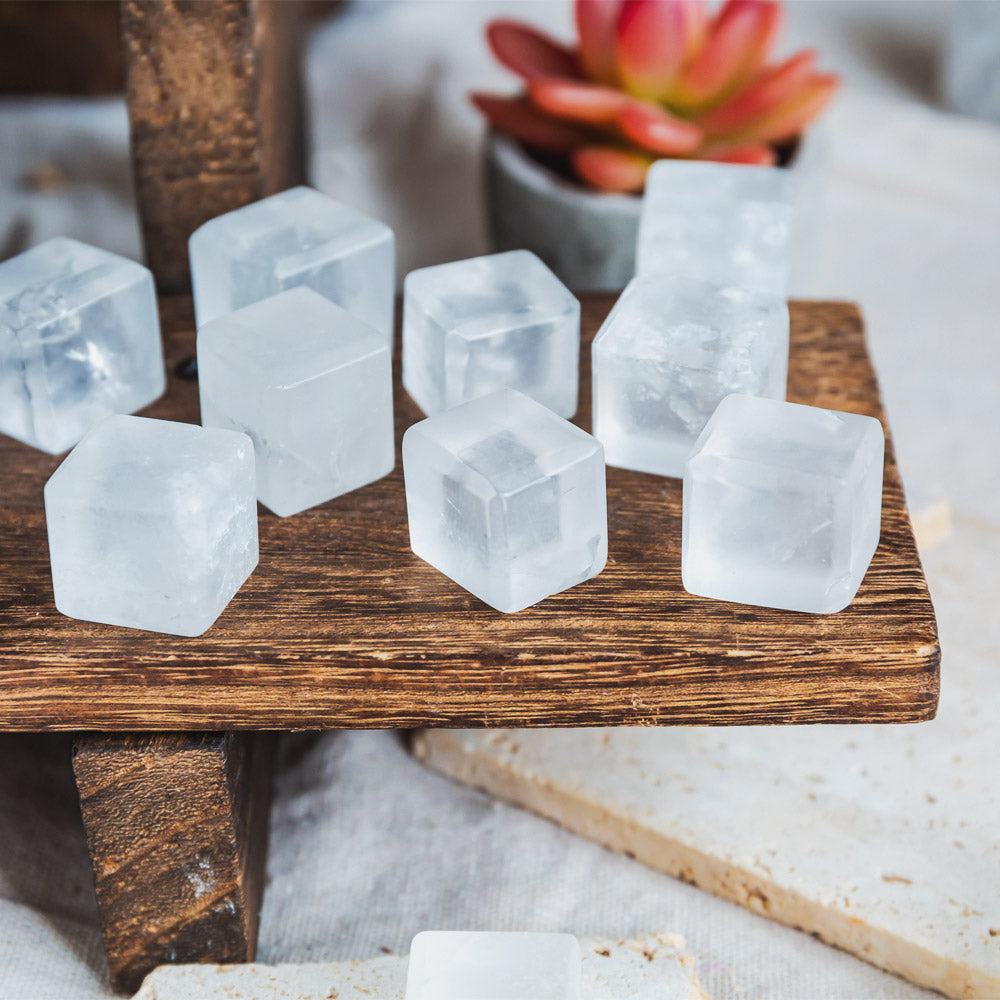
(648, 967)
(507, 499)
(726, 223)
(312, 387)
(476, 326)
(297, 237)
(670, 350)
(152, 524)
(782, 505)
(79, 341)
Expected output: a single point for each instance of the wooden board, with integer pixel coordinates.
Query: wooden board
(177, 830)
(342, 626)
(650, 967)
(215, 112)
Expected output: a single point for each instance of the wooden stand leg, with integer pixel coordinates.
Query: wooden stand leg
(177, 830)
(215, 108)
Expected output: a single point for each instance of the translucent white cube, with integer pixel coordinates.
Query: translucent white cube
(475, 326)
(507, 499)
(730, 224)
(668, 353)
(152, 524)
(79, 341)
(297, 237)
(311, 385)
(782, 505)
(493, 965)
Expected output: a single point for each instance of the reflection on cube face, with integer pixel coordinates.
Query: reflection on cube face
(506, 499)
(668, 353)
(493, 965)
(311, 385)
(79, 341)
(152, 524)
(782, 505)
(729, 224)
(476, 326)
(297, 237)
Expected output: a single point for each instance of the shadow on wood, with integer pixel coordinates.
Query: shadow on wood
(177, 830)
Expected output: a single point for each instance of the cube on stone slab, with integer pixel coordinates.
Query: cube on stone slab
(782, 505)
(668, 353)
(493, 965)
(79, 341)
(152, 524)
(730, 224)
(506, 499)
(312, 387)
(476, 326)
(297, 237)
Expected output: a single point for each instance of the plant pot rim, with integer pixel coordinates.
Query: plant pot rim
(523, 167)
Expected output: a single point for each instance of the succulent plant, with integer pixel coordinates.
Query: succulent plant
(651, 79)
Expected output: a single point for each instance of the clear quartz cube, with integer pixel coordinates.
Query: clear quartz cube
(476, 326)
(730, 224)
(297, 237)
(152, 524)
(506, 499)
(79, 341)
(493, 965)
(668, 353)
(782, 505)
(312, 387)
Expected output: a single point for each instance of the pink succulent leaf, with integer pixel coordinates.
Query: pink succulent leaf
(609, 168)
(655, 40)
(772, 88)
(651, 127)
(516, 117)
(597, 25)
(755, 154)
(528, 52)
(737, 46)
(576, 101)
(790, 117)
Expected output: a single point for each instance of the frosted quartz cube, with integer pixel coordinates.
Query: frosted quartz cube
(493, 965)
(475, 326)
(79, 341)
(507, 499)
(730, 224)
(782, 505)
(668, 353)
(152, 524)
(297, 237)
(311, 385)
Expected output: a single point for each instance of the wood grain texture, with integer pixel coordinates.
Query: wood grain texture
(214, 100)
(342, 626)
(177, 830)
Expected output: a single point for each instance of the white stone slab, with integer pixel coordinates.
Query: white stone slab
(651, 967)
(805, 826)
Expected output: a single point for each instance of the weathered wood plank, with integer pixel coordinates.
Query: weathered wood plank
(177, 830)
(214, 99)
(342, 626)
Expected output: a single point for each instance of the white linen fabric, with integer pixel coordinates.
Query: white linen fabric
(367, 848)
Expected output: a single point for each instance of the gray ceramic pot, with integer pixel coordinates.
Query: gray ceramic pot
(588, 238)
